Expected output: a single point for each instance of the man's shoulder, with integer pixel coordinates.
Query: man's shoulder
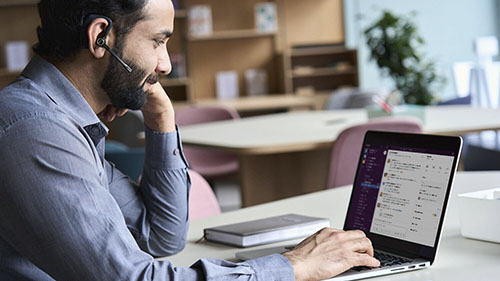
(24, 100)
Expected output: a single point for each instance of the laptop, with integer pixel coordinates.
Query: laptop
(399, 198)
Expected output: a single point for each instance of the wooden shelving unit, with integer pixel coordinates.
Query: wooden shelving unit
(7, 76)
(232, 34)
(174, 82)
(235, 45)
(180, 13)
(178, 89)
(6, 72)
(320, 71)
(10, 3)
(18, 21)
(321, 68)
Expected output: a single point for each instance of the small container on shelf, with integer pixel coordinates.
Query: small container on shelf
(265, 17)
(200, 21)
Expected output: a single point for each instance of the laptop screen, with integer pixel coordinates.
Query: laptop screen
(401, 187)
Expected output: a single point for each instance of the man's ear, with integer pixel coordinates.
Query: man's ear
(95, 30)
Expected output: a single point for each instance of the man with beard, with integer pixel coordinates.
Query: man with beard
(68, 214)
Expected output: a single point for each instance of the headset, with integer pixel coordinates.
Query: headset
(101, 40)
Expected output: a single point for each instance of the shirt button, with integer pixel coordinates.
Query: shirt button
(176, 151)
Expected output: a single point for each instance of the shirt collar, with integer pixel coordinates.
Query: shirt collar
(59, 89)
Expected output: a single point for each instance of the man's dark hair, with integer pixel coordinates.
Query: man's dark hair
(60, 34)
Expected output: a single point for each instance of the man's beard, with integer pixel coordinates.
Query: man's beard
(124, 89)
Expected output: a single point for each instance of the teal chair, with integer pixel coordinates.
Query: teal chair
(129, 161)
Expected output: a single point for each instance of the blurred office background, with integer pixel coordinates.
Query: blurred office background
(269, 56)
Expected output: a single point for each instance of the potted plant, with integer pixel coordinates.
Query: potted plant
(393, 42)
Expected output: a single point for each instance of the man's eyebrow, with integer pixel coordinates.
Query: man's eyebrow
(166, 34)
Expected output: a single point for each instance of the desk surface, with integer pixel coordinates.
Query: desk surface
(302, 131)
(458, 258)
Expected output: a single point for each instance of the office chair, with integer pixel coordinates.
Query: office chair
(211, 164)
(347, 147)
(202, 200)
(129, 160)
(353, 98)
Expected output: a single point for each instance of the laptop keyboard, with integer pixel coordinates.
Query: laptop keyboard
(385, 259)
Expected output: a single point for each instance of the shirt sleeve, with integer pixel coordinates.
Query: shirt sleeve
(270, 268)
(57, 213)
(156, 212)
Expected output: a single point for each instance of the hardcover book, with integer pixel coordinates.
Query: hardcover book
(268, 230)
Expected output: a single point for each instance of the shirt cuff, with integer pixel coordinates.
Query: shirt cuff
(164, 150)
(273, 268)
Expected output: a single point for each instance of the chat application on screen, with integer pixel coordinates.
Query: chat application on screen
(411, 196)
(400, 192)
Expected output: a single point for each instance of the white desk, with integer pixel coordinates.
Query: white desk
(246, 105)
(283, 155)
(458, 258)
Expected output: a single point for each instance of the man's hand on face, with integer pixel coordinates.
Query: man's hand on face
(330, 252)
(158, 111)
(110, 113)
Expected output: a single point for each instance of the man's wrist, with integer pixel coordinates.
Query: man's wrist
(294, 261)
(164, 123)
(164, 150)
(273, 267)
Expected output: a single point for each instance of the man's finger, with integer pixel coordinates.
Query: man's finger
(121, 112)
(352, 234)
(365, 260)
(361, 245)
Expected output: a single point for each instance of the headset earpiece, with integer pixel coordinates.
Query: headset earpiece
(101, 42)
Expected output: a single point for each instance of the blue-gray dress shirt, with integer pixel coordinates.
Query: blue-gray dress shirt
(68, 214)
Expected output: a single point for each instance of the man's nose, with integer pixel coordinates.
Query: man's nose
(164, 66)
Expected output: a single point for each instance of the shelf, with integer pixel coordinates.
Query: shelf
(318, 51)
(181, 13)
(8, 3)
(323, 71)
(175, 82)
(232, 34)
(5, 72)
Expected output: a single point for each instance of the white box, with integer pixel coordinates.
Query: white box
(479, 215)
(486, 46)
(200, 20)
(227, 85)
(17, 55)
(256, 82)
(265, 17)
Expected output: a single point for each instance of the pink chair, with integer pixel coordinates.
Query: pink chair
(209, 163)
(347, 147)
(202, 200)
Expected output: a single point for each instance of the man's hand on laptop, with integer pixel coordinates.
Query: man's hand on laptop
(330, 252)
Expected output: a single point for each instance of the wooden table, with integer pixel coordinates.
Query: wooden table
(458, 258)
(283, 155)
